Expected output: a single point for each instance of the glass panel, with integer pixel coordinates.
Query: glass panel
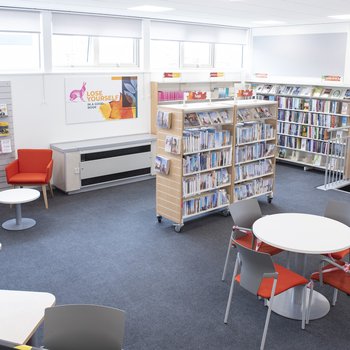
(19, 51)
(228, 56)
(165, 54)
(70, 50)
(117, 51)
(197, 54)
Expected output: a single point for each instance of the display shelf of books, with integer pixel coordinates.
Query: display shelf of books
(164, 93)
(254, 149)
(196, 143)
(305, 113)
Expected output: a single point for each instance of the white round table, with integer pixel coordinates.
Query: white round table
(303, 234)
(18, 196)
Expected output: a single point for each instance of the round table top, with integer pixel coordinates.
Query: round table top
(303, 233)
(19, 195)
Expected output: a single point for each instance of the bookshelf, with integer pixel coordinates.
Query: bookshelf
(199, 179)
(172, 92)
(305, 113)
(254, 155)
(227, 153)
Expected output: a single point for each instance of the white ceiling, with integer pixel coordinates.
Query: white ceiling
(241, 13)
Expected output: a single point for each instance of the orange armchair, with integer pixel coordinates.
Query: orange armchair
(33, 167)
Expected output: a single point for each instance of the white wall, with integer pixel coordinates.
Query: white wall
(287, 34)
(39, 112)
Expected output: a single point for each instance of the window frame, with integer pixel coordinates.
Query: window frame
(93, 44)
(215, 57)
(197, 66)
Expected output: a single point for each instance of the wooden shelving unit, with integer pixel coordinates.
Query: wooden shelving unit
(222, 170)
(305, 114)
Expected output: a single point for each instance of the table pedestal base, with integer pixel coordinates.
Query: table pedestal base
(13, 226)
(288, 304)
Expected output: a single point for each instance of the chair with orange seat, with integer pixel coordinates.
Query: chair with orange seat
(336, 275)
(32, 167)
(339, 211)
(257, 273)
(244, 213)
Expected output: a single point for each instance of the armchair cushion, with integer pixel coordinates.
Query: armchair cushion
(28, 179)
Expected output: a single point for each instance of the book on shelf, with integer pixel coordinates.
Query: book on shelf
(347, 94)
(326, 92)
(274, 89)
(252, 188)
(306, 91)
(267, 89)
(163, 120)
(3, 110)
(205, 202)
(172, 144)
(316, 92)
(191, 119)
(162, 165)
(193, 185)
(247, 171)
(215, 117)
(337, 93)
(225, 117)
(345, 108)
(317, 159)
(296, 90)
(259, 89)
(344, 121)
(204, 118)
(4, 129)
(282, 153)
(5, 146)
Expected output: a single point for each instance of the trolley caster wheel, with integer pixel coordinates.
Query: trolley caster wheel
(178, 228)
(225, 213)
(159, 218)
(269, 199)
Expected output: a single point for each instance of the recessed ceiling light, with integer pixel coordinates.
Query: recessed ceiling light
(150, 8)
(269, 22)
(340, 16)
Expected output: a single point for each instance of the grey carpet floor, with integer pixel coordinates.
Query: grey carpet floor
(106, 247)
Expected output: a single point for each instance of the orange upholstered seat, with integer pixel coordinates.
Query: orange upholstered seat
(334, 277)
(247, 241)
(33, 167)
(286, 279)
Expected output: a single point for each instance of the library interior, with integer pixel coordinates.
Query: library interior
(174, 175)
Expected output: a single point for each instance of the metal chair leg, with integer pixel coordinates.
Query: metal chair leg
(335, 296)
(227, 257)
(231, 289)
(267, 321)
(309, 303)
(303, 307)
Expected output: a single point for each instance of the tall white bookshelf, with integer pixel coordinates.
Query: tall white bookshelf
(305, 114)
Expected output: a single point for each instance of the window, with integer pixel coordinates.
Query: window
(228, 56)
(165, 54)
(117, 51)
(19, 51)
(88, 51)
(197, 55)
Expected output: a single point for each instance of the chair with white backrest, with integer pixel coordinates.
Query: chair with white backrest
(244, 213)
(88, 327)
(339, 211)
(257, 273)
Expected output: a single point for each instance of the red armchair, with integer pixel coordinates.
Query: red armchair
(33, 167)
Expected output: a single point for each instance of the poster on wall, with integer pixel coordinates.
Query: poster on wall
(94, 99)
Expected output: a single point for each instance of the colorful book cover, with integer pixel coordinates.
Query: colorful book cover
(3, 110)
(4, 129)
